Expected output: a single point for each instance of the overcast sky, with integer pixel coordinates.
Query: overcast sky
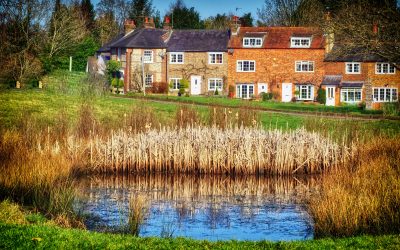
(208, 8)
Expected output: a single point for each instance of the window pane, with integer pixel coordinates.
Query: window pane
(376, 94)
(394, 95)
(311, 66)
(381, 95)
(298, 66)
(391, 69)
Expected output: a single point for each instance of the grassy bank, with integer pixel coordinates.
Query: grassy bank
(264, 105)
(49, 237)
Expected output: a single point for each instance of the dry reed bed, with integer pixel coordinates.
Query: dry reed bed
(213, 151)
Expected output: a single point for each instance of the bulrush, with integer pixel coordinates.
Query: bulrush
(197, 149)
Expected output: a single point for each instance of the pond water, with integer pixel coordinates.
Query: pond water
(202, 207)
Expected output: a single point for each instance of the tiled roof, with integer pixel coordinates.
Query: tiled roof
(279, 37)
(352, 84)
(142, 38)
(198, 40)
(332, 80)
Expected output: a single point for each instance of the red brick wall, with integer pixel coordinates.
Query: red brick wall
(276, 66)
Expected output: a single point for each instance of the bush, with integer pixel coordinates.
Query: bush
(183, 84)
(159, 87)
(216, 92)
(266, 96)
(391, 109)
(321, 96)
(113, 68)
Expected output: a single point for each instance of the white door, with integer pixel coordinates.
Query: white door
(195, 85)
(330, 96)
(286, 92)
(262, 88)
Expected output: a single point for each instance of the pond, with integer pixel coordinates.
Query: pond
(201, 207)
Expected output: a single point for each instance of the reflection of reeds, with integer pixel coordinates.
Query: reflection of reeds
(138, 209)
(214, 151)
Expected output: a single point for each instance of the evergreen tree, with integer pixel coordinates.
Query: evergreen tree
(246, 20)
(88, 14)
(139, 10)
(184, 17)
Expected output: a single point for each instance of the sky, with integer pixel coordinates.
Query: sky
(208, 8)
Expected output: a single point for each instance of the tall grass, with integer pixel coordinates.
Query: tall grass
(364, 199)
(138, 210)
(214, 151)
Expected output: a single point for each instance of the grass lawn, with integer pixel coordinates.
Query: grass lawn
(51, 237)
(63, 94)
(267, 105)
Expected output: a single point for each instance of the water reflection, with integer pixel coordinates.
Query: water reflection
(202, 207)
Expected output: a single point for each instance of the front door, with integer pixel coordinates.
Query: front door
(286, 92)
(330, 96)
(195, 85)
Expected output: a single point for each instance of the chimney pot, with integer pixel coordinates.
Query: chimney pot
(146, 19)
(167, 20)
(129, 25)
(375, 28)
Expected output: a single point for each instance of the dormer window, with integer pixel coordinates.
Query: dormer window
(300, 42)
(251, 42)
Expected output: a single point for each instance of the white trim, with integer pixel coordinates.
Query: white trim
(388, 67)
(309, 91)
(215, 84)
(177, 84)
(246, 87)
(176, 54)
(210, 54)
(248, 44)
(308, 66)
(241, 67)
(391, 90)
(353, 90)
(352, 72)
(148, 56)
(300, 39)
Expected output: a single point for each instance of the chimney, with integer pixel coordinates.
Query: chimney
(129, 25)
(235, 26)
(375, 29)
(149, 23)
(167, 23)
(329, 35)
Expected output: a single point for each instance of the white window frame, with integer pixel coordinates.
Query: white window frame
(215, 80)
(351, 70)
(393, 94)
(176, 83)
(350, 90)
(293, 43)
(174, 58)
(301, 63)
(379, 69)
(309, 92)
(148, 58)
(146, 83)
(241, 68)
(252, 42)
(212, 56)
(247, 87)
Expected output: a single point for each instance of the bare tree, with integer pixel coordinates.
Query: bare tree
(366, 31)
(290, 12)
(67, 29)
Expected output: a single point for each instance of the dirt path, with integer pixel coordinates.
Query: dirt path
(275, 111)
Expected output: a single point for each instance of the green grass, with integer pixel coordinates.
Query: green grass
(63, 95)
(267, 105)
(51, 237)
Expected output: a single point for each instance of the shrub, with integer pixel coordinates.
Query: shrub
(112, 69)
(159, 87)
(216, 92)
(117, 83)
(266, 96)
(391, 109)
(183, 85)
(321, 96)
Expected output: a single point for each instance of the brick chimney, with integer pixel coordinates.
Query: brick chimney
(129, 25)
(329, 35)
(235, 25)
(375, 29)
(167, 23)
(149, 23)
